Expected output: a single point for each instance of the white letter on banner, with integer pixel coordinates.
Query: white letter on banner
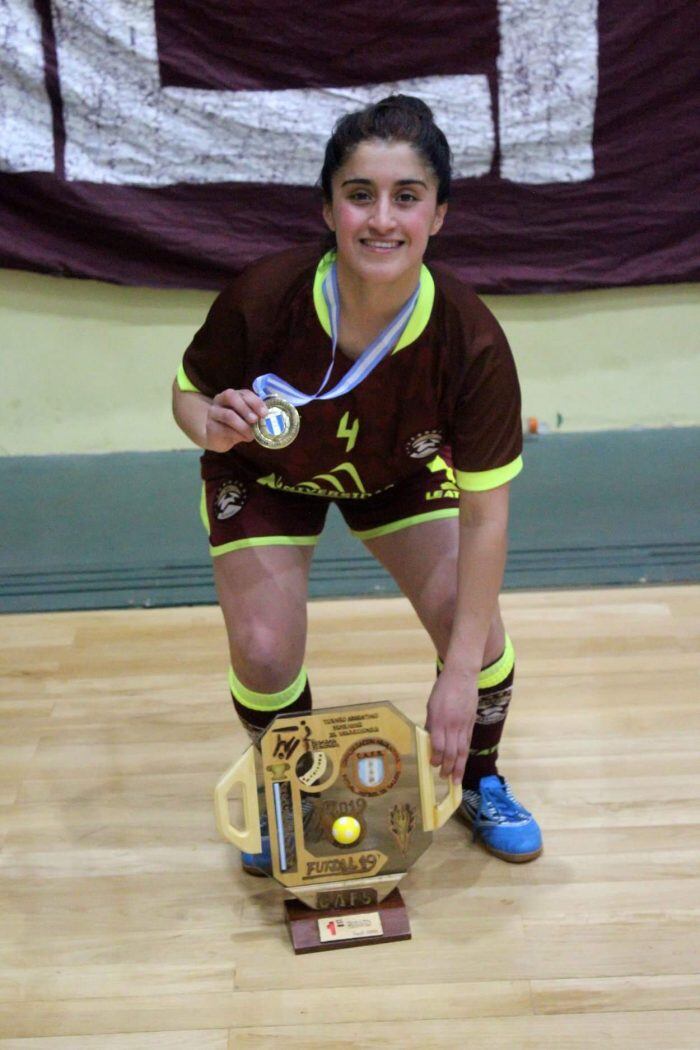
(123, 127)
(548, 83)
(26, 128)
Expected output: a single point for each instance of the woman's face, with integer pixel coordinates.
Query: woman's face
(383, 211)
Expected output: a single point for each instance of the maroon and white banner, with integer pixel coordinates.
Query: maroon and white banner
(169, 142)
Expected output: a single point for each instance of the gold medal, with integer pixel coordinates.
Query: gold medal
(280, 426)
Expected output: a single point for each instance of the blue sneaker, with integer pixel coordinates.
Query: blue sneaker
(500, 822)
(259, 864)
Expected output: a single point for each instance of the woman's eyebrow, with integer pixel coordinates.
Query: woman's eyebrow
(399, 182)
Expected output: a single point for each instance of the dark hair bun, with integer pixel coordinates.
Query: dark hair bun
(408, 103)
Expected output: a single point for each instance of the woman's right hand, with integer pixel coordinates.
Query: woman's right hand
(230, 419)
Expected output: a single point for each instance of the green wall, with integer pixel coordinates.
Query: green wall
(87, 367)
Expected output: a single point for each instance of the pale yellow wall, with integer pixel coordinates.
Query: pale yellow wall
(87, 367)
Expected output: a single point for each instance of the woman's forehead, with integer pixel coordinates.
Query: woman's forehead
(393, 161)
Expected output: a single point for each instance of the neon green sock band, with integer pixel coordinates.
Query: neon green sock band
(499, 670)
(496, 672)
(266, 701)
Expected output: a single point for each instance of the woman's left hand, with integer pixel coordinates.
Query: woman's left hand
(451, 714)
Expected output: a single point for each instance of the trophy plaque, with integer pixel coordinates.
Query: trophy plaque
(349, 797)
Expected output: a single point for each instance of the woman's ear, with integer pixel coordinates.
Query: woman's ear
(440, 213)
(328, 215)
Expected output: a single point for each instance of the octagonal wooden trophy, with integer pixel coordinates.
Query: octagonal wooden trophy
(349, 795)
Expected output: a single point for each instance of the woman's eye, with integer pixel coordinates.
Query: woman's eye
(406, 197)
(359, 195)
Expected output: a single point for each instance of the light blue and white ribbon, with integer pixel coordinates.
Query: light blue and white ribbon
(270, 384)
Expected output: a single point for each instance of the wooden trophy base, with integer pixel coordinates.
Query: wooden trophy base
(319, 931)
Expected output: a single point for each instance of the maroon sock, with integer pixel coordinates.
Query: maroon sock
(491, 713)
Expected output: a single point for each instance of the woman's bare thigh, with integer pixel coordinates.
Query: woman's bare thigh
(263, 593)
(423, 560)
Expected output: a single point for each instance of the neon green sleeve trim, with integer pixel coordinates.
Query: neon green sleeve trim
(266, 701)
(403, 523)
(498, 671)
(482, 480)
(264, 541)
(184, 383)
(418, 320)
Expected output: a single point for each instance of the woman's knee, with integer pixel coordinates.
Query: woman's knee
(265, 658)
(436, 605)
(495, 641)
(440, 620)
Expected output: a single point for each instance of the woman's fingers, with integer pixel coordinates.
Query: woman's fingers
(247, 404)
(461, 759)
(437, 745)
(231, 418)
(450, 748)
(237, 410)
(449, 756)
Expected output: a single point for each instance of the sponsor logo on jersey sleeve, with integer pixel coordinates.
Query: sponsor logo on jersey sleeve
(424, 444)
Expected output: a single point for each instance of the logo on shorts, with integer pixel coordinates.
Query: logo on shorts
(424, 444)
(231, 497)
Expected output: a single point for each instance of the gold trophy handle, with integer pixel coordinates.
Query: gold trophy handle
(434, 814)
(241, 772)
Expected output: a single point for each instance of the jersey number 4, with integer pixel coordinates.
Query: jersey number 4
(347, 431)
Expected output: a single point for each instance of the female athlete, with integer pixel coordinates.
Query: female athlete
(409, 422)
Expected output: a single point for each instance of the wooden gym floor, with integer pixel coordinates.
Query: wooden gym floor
(126, 923)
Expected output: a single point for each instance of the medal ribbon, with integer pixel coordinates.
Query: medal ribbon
(270, 384)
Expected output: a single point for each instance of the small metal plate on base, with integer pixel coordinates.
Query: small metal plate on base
(313, 930)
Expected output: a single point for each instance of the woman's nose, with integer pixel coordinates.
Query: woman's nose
(382, 217)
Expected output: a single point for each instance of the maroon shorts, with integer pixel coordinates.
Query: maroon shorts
(238, 511)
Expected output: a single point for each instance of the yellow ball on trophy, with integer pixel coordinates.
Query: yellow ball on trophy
(346, 830)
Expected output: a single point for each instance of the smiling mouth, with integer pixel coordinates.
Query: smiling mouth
(383, 246)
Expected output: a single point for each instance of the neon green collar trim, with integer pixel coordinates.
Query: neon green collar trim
(421, 311)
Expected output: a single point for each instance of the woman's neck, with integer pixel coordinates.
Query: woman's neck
(366, 302)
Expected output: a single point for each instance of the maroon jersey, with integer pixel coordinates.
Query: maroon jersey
(450, 381)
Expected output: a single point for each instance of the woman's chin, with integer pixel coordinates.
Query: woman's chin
(382, 267)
